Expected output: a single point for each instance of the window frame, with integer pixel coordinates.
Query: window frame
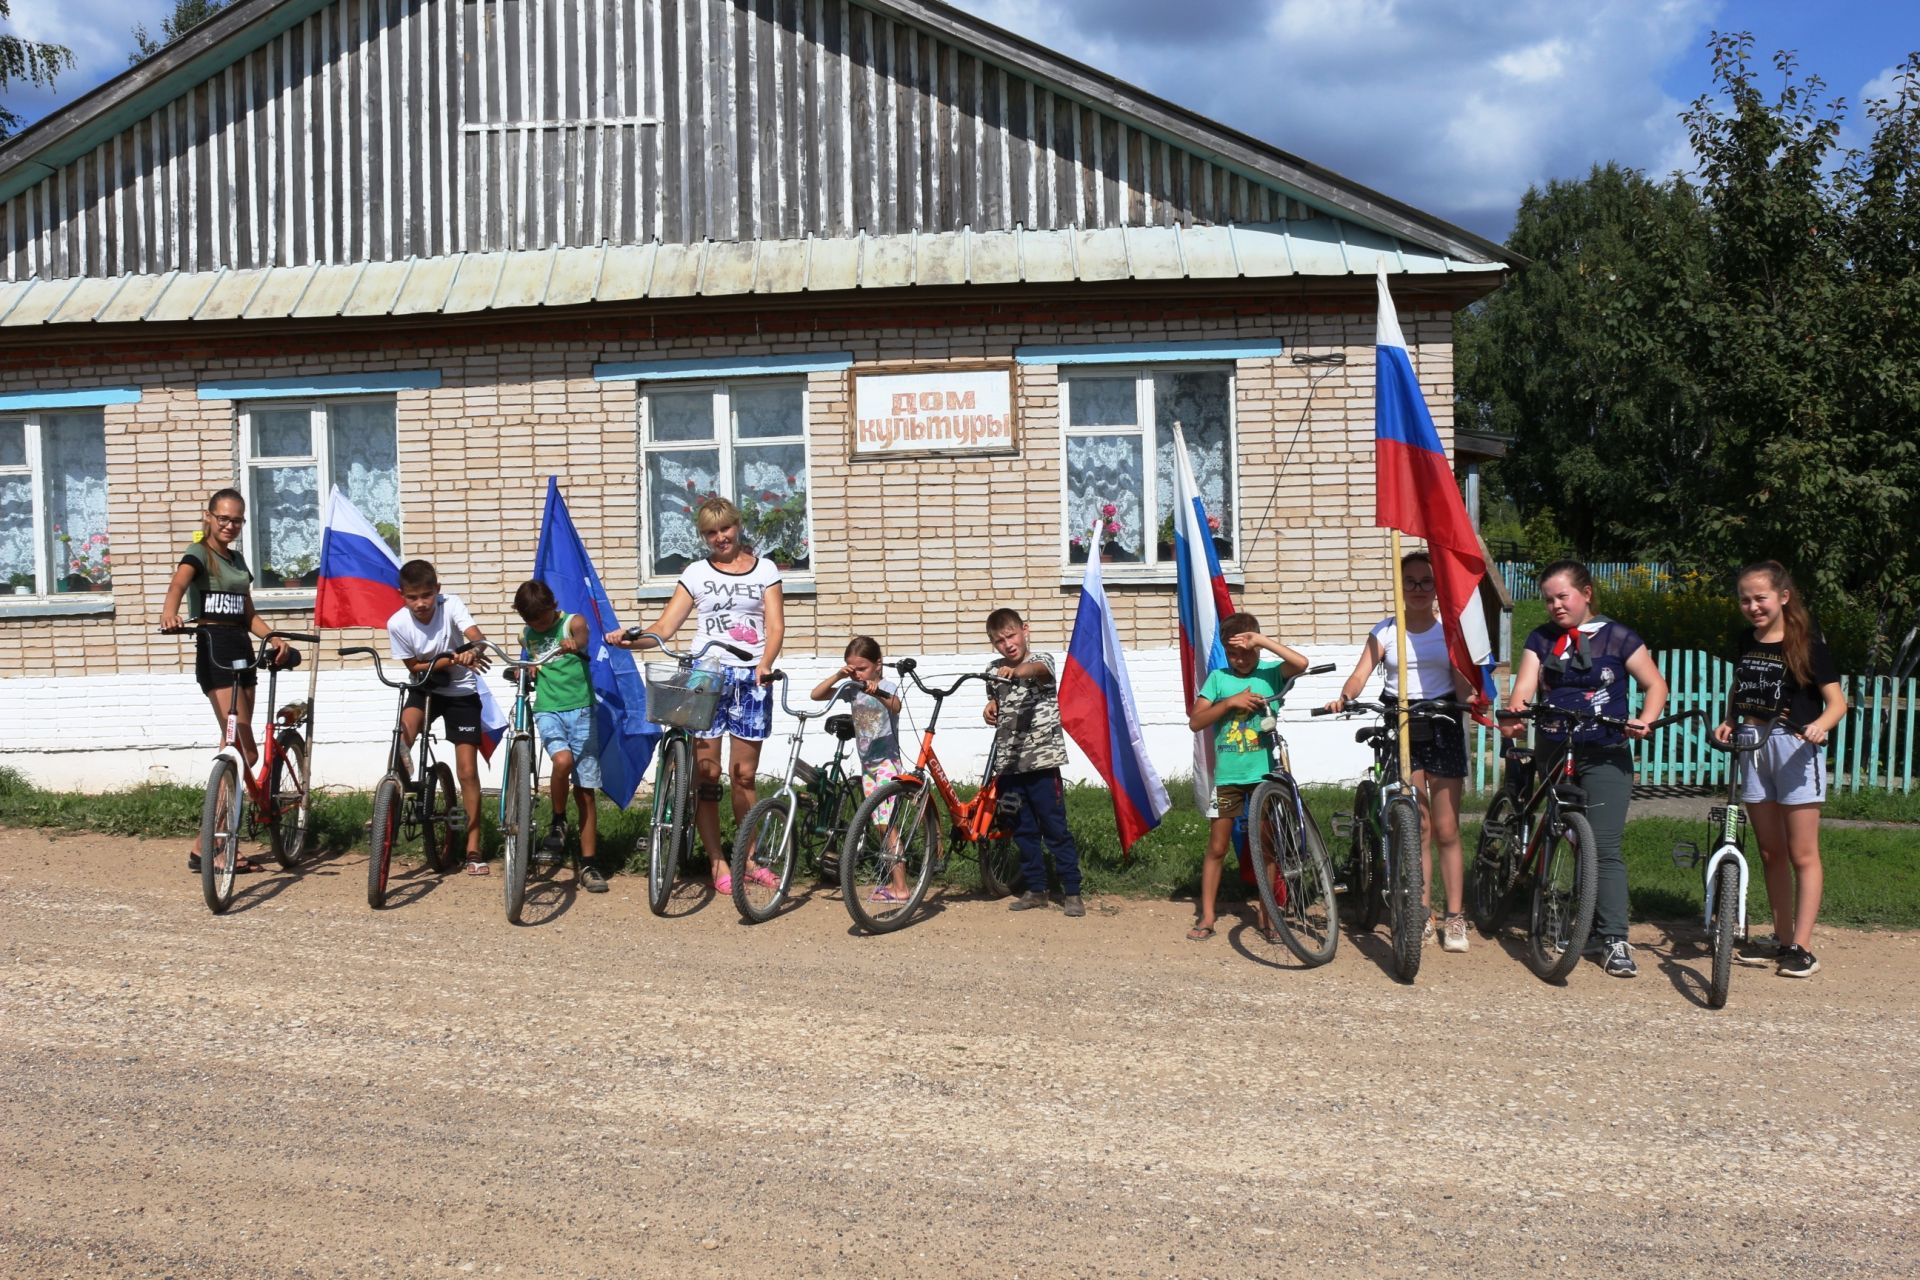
(1147, 427)
(319, 457)
(35, 472)
(724, 443)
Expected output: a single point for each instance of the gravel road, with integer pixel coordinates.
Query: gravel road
(305, 1088)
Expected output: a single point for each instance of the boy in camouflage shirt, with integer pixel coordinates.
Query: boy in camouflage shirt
(1032, 748)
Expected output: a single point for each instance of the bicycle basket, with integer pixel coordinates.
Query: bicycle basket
(683, 697)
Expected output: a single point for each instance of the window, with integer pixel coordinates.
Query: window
(53, 504)
(1116, 505)
(740, 440)
(292, 455)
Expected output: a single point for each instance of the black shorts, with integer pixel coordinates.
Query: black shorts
(215, 649)
(1439, 746)
(458, 714)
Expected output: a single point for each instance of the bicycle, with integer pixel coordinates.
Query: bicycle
(892, 850)
(1384, 872)
(810, 821)
(1291, 869)
(276, 795)
(1725, 877)
(1536, 828)
(519, 778)
(426, 801)
(681, 699)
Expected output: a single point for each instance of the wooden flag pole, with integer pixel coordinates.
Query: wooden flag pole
(1406, 676)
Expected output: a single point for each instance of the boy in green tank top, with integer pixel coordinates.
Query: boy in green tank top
(563, 717)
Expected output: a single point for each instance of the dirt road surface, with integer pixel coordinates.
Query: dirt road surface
(306, 1088)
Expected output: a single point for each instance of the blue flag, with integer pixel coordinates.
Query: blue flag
(619, 695)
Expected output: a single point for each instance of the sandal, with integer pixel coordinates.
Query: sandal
(723, 883)
(1200, 933)
(244, 867)
(885, 893)
(764, 878)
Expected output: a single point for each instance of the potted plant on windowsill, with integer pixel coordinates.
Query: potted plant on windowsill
(1165, 538)
(300, 571)
(88, 562)
(20, 584)
(776, 526)
(1104, 533)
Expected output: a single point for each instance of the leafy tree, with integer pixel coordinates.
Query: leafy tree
(34, 62)
(186, 15)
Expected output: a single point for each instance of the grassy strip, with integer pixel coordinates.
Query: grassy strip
(1873, 875)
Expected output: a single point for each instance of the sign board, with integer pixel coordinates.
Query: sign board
(939, 410)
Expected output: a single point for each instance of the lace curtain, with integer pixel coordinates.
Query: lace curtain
(73, 457)
(1102, 472)
(1106, 469)
(677, 482)
(363, 458)
(1202, 403)
(16, 511)
(761, 465)
(365, 463)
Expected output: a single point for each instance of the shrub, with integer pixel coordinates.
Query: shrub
(1695, 612)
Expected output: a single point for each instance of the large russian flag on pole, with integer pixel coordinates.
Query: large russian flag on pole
(1097, 708)
(1415, 492)
(1203, 600)
(359, 574)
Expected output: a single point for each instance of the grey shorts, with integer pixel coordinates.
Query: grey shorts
(1786, 770)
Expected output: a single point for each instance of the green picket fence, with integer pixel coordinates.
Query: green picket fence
(1874, 748)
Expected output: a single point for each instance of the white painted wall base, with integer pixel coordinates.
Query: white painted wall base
(100, 733)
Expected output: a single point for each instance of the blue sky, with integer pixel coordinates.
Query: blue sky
(1455, 106)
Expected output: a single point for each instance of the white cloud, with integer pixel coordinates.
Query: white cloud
(1883, 86)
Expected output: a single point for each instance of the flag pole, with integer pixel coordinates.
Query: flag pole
(1406, 676)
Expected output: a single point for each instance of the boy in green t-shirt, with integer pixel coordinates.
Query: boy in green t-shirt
(563, 714)
(1238, 704)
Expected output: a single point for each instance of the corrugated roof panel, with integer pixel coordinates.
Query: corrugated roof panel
(427, 285)
(474, 284)
(85, 301)
(1047, 256)
(1419, 264)
(886, 262)
(1208, 251)
(132, 301)
(996, 257)
(782, 267)
(576, 272)
(11, 292)
(229, 296)
(328, 293)
(275, 297)
(42, 299)
(676, 271)
(629, 269)
(1262, 251)
(941, 259)
(1154, 253)
(523, 283)
(729, 269)
(182, 298)
(1317, 247)
(835, 265)
(1101, 254)
(1365, 249)
(378, 290)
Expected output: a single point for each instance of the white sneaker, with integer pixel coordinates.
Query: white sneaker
(1454, 934)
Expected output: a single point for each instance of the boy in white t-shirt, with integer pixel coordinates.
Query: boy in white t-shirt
(430, 625)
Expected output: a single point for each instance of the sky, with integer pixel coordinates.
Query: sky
(1453, 106)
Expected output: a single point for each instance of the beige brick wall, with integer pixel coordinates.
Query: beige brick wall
(914, 552)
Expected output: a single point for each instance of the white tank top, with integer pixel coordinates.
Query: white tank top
(1432, 670)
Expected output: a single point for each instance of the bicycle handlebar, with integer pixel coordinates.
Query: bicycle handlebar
(1736, 746)
(266, 641)
(780, 678)
(632, 634)
(419, 678)
(1592, 717)
(1424, 709)
(511, 662)
(910, 669)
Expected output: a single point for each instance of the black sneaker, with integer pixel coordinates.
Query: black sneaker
(1797, 962)
(1071, 905)
(591, 880)
(556, 841)
(1619, 962)
(1028, 902)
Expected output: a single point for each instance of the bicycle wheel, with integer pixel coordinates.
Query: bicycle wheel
(763, 857)
(672, 820)
(516, 824)
(1563, 895)
(439, 802)
(220, 835)
(1408, 908)
(287, 785)
(1725, 924)
(1000, 872)
(389, 804)
(1490, 883)
(887, 863)
(1361, 875)
(1293, 875)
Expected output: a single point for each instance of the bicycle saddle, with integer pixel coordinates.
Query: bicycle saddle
(840, 726)
(1368, 736)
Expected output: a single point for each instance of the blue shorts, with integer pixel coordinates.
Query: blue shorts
(572, 731)
(1787, 769)
(745, 710)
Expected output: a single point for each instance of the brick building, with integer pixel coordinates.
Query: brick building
(431, 251)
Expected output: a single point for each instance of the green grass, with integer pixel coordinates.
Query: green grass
(1873, 874)
(1527, 614)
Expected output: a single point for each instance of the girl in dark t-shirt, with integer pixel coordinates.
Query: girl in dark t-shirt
(1785, 684)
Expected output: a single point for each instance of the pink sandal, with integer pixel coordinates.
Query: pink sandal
(764, 878)
(723, 883)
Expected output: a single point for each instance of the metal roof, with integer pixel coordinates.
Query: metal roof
(470, 282)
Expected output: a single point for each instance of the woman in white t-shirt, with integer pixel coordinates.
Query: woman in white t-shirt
(734, 597)
(1439, 761)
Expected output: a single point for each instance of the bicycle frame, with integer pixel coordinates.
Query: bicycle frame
(254, 786)
(1732, 841)
(972, 819)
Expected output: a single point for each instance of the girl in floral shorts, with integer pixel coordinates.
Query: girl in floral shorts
(875, 701)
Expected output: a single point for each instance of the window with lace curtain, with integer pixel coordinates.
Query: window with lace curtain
(743, 440)
(53, 504)
(292, 454)
(1119, 459)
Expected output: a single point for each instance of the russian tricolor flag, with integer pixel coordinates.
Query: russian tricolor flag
(1201, 591)
(1415, 492)
(1097, 708)
(359, 574)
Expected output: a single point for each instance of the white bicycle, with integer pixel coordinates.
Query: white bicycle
(1726, 871)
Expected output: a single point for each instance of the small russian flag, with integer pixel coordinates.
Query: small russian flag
(1097, 708)
(359, 573)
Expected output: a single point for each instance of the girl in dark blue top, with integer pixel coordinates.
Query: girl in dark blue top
(1581, 660)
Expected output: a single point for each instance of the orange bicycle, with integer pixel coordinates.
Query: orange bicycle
(892, 850)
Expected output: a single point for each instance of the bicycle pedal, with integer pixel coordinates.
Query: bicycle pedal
(1341, 824)
(1686, 854)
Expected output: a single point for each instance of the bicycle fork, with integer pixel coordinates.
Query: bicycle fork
(1720, 855)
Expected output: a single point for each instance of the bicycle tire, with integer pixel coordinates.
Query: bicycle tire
(1293, 875)
(438, 798)
(389, 800)
(287, 787)
(516, 825)
(1490, 884)
(1364, 887)
(910, 840)
(1726, 922)
(1000, 870)
(765, 842)
(1408, 909)
(1563, 896)
(672, 820)
(220, 835)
